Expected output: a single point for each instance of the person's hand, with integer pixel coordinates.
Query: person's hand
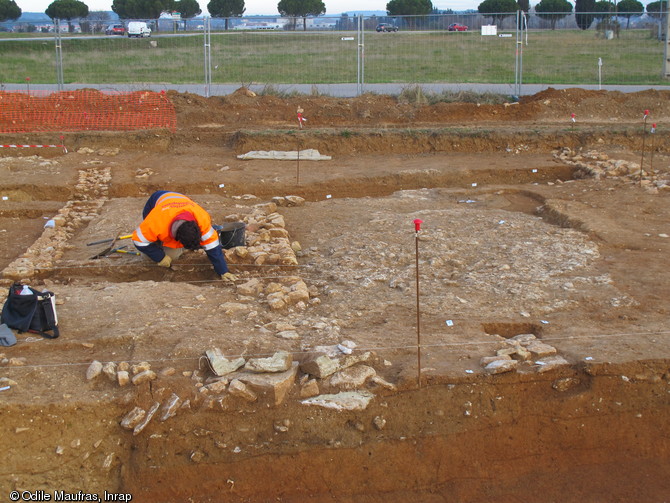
(229, 277)
(166, 262)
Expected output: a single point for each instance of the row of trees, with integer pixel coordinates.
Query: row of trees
(553, 10)
(152, 9)
(586, 10)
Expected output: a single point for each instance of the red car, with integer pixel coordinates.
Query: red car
(457, 27)
(115, 29)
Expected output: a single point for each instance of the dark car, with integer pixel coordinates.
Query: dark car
(457, 27)
(386, 27)
(115, 29)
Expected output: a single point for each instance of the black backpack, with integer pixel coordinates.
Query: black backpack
(35, 313)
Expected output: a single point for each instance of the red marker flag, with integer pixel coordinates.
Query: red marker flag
(417, 225)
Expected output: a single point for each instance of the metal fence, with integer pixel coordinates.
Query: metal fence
(495, 49)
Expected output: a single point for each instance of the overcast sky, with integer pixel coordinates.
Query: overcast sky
(270, 6)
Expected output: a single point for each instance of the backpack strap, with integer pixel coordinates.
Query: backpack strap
(49, 316)
(55, 335)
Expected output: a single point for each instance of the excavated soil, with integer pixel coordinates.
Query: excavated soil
(532, 224)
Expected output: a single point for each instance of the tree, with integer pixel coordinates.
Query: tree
(553, 10)
(409, 7)
(226, 9)
(498, 9)
(142, 9)
(67, 9)
(524, 5)
(584, 10)
(605, 12)
(97, 20)
(657, 9)
(9, 11)
(301, 8)
(188, 9)
(603, 9)
(630, 8)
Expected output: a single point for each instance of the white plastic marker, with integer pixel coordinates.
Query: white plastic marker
(644, 137)
(328, 196)
(222, 185)
(651, 147)
(600, 73)
(450, 323)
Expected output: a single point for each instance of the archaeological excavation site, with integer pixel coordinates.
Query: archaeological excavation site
(515, 348)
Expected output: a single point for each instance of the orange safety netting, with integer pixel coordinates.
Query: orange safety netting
(84, 110)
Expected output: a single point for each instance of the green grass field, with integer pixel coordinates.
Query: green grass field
(549, 57)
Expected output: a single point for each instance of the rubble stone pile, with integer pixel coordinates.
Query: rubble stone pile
(599, 165)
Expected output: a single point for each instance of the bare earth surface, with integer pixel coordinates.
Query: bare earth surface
(532, 224)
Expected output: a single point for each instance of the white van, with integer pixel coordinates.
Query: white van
(138, 29)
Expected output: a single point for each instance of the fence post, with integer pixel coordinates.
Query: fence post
(360, 55)
(59, 55)
(207, 43)
(518, 61)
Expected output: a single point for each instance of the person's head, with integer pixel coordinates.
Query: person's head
(188, 234)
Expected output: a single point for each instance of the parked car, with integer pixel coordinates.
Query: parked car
(138, 29)
(386, 27)
(115, 29)
(457, 27)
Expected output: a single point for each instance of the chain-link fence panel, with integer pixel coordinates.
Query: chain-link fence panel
(449, 49)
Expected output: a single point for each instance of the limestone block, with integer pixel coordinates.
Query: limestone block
(279, 362)
(238, 388)
(220, 364)
(540, 349)
(251, 288)
(321, 366)
(565, 384)
(501, 366)
(523, 339)
(309, 389)
(551, 363)
(345, 400)
(276, 301)
(353, 377)
(140, 367)
(295, 200)
(218, 386)
(147, 418)
(123, 377)
(170, 407)
(133, 418)
(276, 385)
(109, 369)
(142, 377)
(94, 370)
(379, 381)
(488, 359)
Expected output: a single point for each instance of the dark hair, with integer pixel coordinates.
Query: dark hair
(188, 234)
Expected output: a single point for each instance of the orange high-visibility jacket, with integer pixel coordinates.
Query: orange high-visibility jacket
(158, 223)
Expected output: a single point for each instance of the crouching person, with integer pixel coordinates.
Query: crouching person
(172, 222)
